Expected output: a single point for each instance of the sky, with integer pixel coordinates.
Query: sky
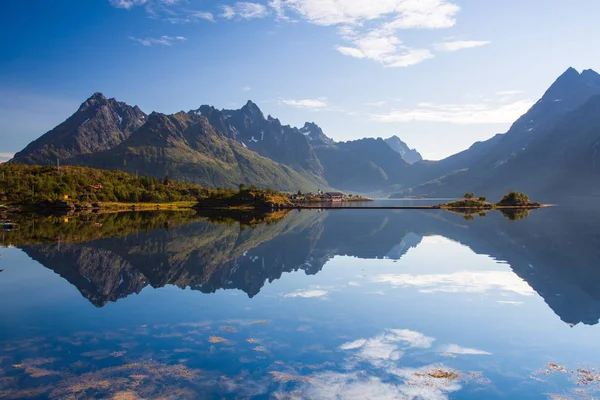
(439, 74)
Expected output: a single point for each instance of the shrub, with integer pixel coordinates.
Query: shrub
(469, 195)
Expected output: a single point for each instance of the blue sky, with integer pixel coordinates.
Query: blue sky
(440, 74)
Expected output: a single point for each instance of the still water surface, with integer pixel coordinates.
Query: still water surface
(341, 304)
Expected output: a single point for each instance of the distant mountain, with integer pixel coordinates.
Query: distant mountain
(409, 155)
(266, 136)
(362, 165)
(537, 155)
(99, 124)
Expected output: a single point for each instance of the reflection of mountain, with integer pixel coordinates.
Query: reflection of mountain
(555, 251)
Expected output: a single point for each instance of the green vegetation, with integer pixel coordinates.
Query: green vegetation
(22, 185)
(516, 199)
(469, 202)
(511, 200)
(245, 197)
(35, 186)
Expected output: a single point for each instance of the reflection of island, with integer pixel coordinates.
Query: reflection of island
(555, 252)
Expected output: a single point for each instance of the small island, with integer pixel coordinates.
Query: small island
(325, 197)
(512, 200)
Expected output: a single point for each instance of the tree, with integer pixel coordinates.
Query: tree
(166, 180)
(469, 195)
(299, 192)
(482, 198)
(242, 187)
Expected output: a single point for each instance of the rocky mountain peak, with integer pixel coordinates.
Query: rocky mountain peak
(409, 155)
(253, 111)
(315, 134)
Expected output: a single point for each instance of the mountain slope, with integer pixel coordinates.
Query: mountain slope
(492, 167)
(99, 124)
(409, 155)
(362, 165)
(185, 146)
(266, 136)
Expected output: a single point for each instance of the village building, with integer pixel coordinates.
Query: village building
(333, 196)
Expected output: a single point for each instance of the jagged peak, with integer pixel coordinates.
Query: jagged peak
(252, 109)
(94, 100)
(97, 96)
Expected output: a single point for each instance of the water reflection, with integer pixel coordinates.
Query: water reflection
(109, 257)
(335, 304)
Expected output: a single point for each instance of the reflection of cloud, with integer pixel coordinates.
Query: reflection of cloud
(456, 349)
(463, 281)
(355, 385)
(415, 339)
(387, 346)
(307, 293)
(514, 303)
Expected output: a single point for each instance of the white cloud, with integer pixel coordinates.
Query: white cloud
(508, 92)
(246, 89)
(456, 349)
(413, 338)
(127, 4)
(314, 104)
(477, 113)
(456, 45)
(353, 345)
(396, 14)
(277, 6)
(6, 156)
(307, 293)
(163, 40)
(511, 302)
(463, 281)
(244, 10)
(376, 104)
(202, 15)
(388, 346)
(383, 48)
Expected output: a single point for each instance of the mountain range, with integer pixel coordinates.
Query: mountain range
(550, 152)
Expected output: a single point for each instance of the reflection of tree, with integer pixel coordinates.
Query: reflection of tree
(515, 214)
(84, 227)
(213, 252)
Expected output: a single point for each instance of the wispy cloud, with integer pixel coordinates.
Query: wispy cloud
(456, 45)
(162, 40)
(127, 4)
(456, 349)
(201, 15)
(314, 104)
(391, 14)
(462, 281)
(508, 92)
(310, 293)
(244, 10)
(376, 104)
(370, 28)
(6, 156)
(173, 11)
(246, 89)
(474, 113)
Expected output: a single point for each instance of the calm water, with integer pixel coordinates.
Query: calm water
(343, 304)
